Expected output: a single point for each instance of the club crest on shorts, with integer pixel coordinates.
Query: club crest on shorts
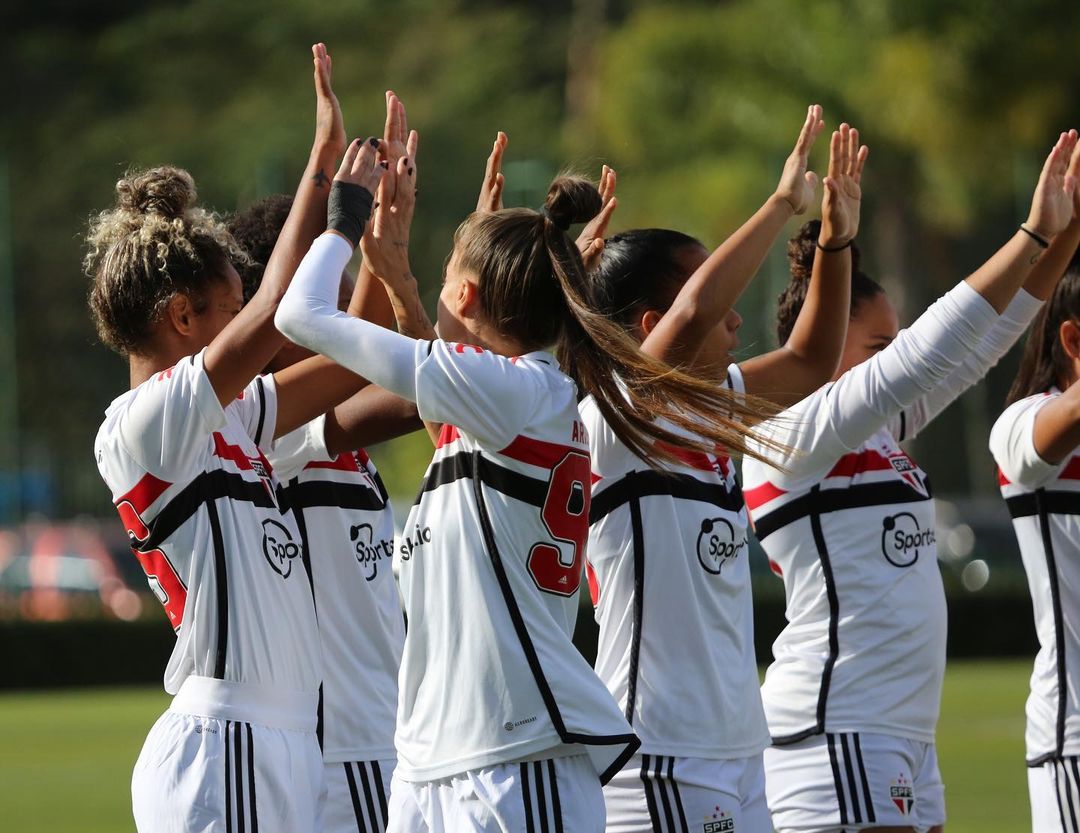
(909, 472)
(718, 543)
(718, 822)
(902, 794)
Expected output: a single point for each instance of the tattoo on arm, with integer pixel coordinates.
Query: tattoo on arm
(320, 179)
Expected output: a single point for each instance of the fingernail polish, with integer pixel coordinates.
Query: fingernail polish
(373, 142)
(410, 171)
(385, 165)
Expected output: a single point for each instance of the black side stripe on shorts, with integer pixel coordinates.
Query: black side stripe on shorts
(819, 502)
(662, 797)
(1066, 777)
(240, 802)
(849, 775)
(539, 782)
(368, 818)
(628, 742)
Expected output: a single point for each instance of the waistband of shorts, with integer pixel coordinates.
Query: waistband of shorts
(247, 703)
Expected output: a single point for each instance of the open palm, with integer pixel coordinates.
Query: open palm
(842, 201)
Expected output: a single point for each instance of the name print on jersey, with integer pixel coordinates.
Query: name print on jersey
(414, 541)
(279, 547)
(717, 544)
(901, 539)
(369, 551)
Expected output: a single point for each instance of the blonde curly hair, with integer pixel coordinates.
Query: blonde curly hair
(153, 244)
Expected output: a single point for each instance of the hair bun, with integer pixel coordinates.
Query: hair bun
(572, 199)
(165, 191)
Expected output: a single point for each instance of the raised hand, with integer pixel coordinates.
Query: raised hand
(361, 164)
(797, 184)
(1073, 174)
(385, 245)
(591, 240)
(329, 124)
(843, 192)
(491, 190)
(1054, 201)
(398, 143)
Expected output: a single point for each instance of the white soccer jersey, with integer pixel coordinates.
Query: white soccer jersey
(201, 505)
(1044, 501)
(668, 566)
(346, 525)
(490, 563)
(850, 528)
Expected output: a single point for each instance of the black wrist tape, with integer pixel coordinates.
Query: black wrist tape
(349, 210)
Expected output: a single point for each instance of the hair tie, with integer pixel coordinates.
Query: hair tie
(564, 225)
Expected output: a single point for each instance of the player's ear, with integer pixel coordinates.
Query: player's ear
(180, 313)
(467, 298)
(1069, 333)
(648, 321)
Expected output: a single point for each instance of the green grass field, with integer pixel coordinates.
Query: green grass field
(66, 757)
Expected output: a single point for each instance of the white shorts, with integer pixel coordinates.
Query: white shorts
(357, 796)
(1054, 790)
(560, 795)
(854, 781)
(671, 795)
(228, 757)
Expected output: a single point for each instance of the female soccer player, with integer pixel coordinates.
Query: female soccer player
(501, 723)
(346, 525)
(668, 543)
(1036, 443)
(847, 520)
(181, 453)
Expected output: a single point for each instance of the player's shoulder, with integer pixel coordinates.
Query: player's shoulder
(1024, 407)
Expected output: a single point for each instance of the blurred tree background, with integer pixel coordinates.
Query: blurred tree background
(695, 103)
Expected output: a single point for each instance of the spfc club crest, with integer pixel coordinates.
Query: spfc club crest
(906, 468)
(902, 795)
(718, 821)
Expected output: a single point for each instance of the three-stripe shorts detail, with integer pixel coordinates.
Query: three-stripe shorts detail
(662, 796)
(849, 775)
(540, 796)
(368, 795)
(241, 808)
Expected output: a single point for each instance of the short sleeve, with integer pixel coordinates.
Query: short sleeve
(289, 454)
(257, 408)
(164, 426)
(1012, 442)
(488, 396)
(610, 458)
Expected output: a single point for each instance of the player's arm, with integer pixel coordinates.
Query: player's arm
(812, 352)
(711, 292)
(1057, 425)
(250, 340)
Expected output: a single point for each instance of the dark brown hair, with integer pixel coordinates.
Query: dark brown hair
(1045, 362)
(801, 250)
(256, 230)
(532, 286)
(153, 244)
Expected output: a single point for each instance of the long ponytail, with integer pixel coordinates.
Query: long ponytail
(1045, 363)
(533, 286)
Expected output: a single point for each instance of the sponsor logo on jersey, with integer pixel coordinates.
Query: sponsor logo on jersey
(902, 539)
(718, 822)
(908, 471)
(369, 551)
(718, 543)
(279, 547)
(413, 541)
(902, 794)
